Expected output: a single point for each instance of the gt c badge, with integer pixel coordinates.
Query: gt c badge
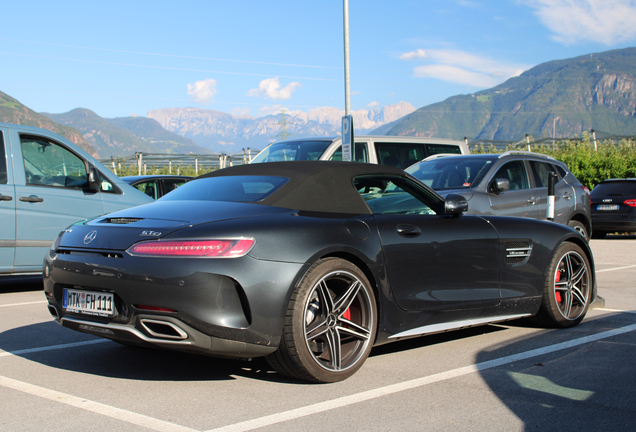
(150, 233)
(90, 237)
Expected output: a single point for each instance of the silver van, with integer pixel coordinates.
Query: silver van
(46, 184)
(400, 152)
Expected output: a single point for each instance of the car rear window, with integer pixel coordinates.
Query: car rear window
(616, 188)
(230, 188)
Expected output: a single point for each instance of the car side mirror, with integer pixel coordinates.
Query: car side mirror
(455, 205)
(93, 179)
(499, 185)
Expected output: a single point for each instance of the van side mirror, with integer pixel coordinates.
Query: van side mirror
(93, 179)
(455, 205)
(499, 185)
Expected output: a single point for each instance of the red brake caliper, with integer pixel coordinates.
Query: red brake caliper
(347, 314)
(557, 278)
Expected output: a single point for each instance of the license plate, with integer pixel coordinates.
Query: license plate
(88, 302)
(607, 207)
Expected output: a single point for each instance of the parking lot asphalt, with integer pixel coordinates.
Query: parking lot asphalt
(511, 377)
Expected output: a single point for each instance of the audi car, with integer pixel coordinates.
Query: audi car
(310, 264)
(614, 207)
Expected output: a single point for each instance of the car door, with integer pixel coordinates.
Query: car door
(434, 262)
(51, 194)
(7, 208)
(563, 192)
(519, 200)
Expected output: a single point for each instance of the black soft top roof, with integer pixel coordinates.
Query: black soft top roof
(320, 186)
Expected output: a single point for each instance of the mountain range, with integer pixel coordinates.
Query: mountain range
(562, 97)
(227, 133)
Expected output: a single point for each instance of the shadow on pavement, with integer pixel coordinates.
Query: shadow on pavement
(9, 284)
(589, 387)
(110, 359)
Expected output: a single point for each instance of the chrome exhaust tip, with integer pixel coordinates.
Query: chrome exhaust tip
(163, 329)
(53, 311)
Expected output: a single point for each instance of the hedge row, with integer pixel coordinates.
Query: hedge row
(589, 165)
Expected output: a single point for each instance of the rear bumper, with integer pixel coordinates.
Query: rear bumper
(190, 340)
(222, 308)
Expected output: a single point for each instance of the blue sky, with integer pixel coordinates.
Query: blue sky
(255, 57)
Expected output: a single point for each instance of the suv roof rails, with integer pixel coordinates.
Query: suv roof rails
(521, 152)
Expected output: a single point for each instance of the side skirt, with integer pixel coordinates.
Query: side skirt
(455, 325)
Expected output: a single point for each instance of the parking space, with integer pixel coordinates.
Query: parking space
(498, 377)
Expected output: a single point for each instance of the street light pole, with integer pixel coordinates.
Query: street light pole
(346, 57)
(347, 120)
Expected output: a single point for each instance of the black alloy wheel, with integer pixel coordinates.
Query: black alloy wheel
(568, 289)
(330, 324)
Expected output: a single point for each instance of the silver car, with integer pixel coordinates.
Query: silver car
(509, 184)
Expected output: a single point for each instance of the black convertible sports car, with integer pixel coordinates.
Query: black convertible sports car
(310, 264)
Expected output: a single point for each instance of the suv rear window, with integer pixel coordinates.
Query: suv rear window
(616, 188)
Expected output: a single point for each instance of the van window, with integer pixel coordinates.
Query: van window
(3, 162)
(361, 153)
(400, 155)
(49, 164)
(292, 150)
(433, 149)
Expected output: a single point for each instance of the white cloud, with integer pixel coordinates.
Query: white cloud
(461, 67)
(202, 91)
(270, 88)
(418, 54)
(373, 104)
(603, 21)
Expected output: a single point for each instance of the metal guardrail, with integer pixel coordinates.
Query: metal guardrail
(175, 162)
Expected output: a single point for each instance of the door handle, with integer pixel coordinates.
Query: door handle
(567, 195)
(532, 200)
(32, 198)
(5, 198)
(408, 230)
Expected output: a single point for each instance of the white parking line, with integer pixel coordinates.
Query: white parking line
(94, 407)
(52, 347)
(163, 426)
(419, 382)
(616, 268)
(23, 303)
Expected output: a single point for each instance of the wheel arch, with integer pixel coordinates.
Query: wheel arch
(587, 222)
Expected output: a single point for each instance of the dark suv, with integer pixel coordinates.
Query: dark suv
(509, 184)
(613, 207)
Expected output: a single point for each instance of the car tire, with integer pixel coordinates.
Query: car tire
(568, 288)
(330, 324)
(579, 227)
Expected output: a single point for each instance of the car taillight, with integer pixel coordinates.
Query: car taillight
(631, 202)
(586, 189)
(227, 248)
